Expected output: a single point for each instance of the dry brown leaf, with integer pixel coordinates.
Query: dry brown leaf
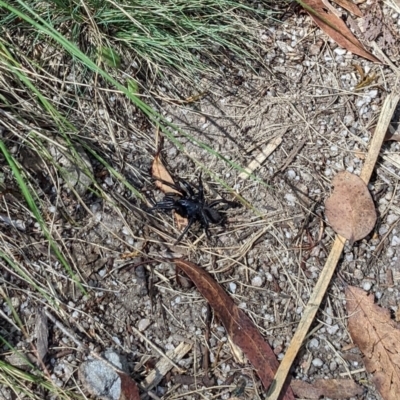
(238, 325)
(378, 338)
(332, 388)
(160, 173)
(324, 15)
(350, 209)
(349, 6)
(129, 389)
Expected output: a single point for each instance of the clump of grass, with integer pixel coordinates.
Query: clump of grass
(186, 36)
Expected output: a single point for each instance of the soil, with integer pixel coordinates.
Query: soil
(269, 255)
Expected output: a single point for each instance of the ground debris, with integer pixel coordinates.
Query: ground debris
(378, 337)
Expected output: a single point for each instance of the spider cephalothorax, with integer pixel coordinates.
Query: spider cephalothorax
(189, 202)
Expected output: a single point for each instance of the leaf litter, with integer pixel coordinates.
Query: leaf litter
(350, 209)
(325, 16)
(332, 388)
(161, 174)
(238, 325)
(378, 338)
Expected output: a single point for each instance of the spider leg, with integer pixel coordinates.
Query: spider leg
(167, 204)
(232, 204)
(206, 224)
(190, 223)
(201, 188)
(187, 189)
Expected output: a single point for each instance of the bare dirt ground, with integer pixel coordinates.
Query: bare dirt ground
(268, 258)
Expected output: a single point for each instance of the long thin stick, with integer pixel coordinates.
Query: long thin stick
(313, 305)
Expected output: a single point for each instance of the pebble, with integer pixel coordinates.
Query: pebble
(143, 324)
(126, 230)
(332, 329)
(52, 209)
(314, 344)
(383, 229)
(349, 257)
(391, 218)
(395, 241)
(15, 302)
(367, 286)
(339, 51)
(290, 198)
(232, 287)
(257, 281)
(317, 362)
(358, 274)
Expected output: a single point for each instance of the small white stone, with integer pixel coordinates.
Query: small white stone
(347, 120)
(332, 329)
(257, 281)
(116, 340)
(367, 286)
(339, 51)
(126, 230)
(373, 93)
(109, 181)
(102, 272)
(392, 218)
(360, 102)
(232, 287)
(383, 229)
(143, 324)
(317, 362)
(314, 344)
(299, 310)
(395, 241)
(290, 198)
(291, 174)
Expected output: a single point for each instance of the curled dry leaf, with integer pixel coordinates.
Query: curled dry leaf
(350, 209)
(332, 388)
(238, 325)
(160, 173)
(378, 338)
(324, 15)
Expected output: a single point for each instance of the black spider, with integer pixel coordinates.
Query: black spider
(190, 203)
